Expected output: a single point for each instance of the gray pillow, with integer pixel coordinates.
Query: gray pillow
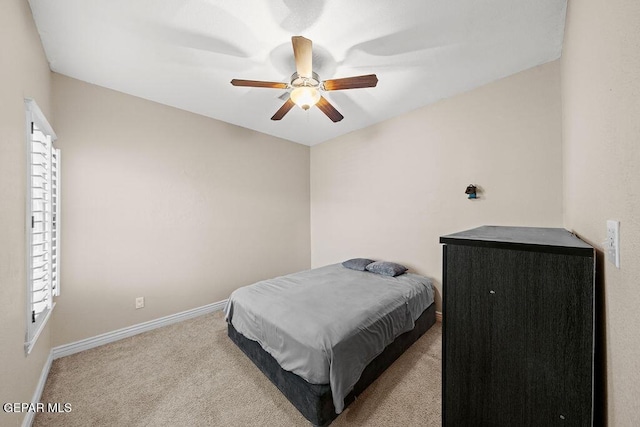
(359, 264)
(386, 268)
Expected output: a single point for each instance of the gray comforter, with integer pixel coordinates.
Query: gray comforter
(327, 324)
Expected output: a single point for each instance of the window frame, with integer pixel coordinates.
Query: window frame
(35, 326)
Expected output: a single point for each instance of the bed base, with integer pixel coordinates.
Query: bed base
(314, 401)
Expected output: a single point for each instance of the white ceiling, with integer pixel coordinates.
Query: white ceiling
(183, 53)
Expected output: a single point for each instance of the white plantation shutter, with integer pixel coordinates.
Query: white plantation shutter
(43, 219)
(55, 224)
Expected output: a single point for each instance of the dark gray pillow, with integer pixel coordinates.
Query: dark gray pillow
(386, 268)
(359, 264)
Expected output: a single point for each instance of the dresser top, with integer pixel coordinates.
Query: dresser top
(531, 238)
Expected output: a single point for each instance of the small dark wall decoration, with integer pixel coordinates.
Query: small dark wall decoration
(471, 191)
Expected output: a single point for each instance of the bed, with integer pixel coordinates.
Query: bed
(323, 335)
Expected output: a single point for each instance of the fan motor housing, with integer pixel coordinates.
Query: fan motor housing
(313, 81)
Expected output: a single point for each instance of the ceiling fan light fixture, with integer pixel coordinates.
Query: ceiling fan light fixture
(305, 96)
(305, 88)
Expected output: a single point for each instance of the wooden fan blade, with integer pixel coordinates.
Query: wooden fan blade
(329, 110)
(370, 80)
(283, 110)
(302, 53)
(258, 83)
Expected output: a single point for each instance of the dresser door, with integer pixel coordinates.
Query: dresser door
(483, 323)
(516, 337)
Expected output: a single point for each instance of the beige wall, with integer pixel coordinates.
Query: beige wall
(169, 205)
(389, 191)
(24, 72)
(601, 133)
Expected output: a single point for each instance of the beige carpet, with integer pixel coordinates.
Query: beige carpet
(191, 374)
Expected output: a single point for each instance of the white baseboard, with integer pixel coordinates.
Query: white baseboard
(438, 316)
(106, 338)
(27, 421)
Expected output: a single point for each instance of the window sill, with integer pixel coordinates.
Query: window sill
(28, 346)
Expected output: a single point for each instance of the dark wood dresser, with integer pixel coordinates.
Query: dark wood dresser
(518, 328)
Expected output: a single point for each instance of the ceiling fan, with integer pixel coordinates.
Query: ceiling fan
(306, 87)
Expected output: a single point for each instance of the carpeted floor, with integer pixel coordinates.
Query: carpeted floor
(191, 374)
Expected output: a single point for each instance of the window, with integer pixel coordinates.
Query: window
(43, 222)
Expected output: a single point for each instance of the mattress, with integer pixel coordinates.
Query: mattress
(315, 402)
(327, 324)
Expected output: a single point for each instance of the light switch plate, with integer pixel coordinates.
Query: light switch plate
(612, 244)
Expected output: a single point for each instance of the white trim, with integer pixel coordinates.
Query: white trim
(37, 114)
(106, 338)
(27, 421)
(28, 340)
(28, 346)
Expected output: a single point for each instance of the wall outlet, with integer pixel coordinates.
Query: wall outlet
(139, 302)
(612, 244)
